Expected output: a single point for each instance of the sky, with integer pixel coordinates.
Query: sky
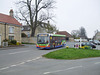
(70, 14)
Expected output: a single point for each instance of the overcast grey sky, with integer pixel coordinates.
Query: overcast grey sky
(70, 14)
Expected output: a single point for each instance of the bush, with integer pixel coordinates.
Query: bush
(23, 35)
(6, 40)
(13, 42)
(18, 43)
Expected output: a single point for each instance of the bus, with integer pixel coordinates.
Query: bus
(48, 41)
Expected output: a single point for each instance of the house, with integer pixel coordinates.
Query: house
(27, 30)
(10, 28)
(97, 36)
(68, 36)
(42, 28)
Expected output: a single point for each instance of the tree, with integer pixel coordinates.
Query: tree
(31, 12)
(51, 28)
(82, 33)
(79, 33)
(75, 34)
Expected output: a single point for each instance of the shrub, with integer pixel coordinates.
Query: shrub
(6, 40)
(18, 43)
(23, 35)
(13, 42)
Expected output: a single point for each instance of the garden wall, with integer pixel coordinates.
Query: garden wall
(29, 40)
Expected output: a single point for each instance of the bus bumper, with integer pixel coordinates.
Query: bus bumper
(43, 47)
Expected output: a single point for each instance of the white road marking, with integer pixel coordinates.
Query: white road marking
(18, 52)
(37, 58)
(28, 60)
(97, 63)
(21, 63)
(13, 65)
(4, 68)
(46, 72)
(63, 70)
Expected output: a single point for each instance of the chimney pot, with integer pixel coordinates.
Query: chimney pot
(11, 13)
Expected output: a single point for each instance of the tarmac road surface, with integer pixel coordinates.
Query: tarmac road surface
(29, 61)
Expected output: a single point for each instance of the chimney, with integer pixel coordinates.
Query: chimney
(11, 13)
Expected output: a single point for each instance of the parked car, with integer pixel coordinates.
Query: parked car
(89, 44)
(96, 42)
(91, 41)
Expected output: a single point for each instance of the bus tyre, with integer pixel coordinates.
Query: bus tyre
(54, 46)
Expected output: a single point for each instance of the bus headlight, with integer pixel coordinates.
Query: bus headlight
(47, 45)
(37, 45)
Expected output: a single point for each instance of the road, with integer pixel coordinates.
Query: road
(29, 61)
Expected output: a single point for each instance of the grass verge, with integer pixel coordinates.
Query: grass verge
(72, 53)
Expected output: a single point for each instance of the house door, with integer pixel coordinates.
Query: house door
(0, 40)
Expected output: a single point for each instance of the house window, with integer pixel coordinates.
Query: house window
(22, 28)
(11, 37)
(28, 28)
(11, 29)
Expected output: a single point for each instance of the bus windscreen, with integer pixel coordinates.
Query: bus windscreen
(42, 39)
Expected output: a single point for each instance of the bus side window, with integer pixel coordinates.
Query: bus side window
(51, 39)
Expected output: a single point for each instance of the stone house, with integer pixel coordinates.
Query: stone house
(27, 30)
(97, 36)
(10, 28)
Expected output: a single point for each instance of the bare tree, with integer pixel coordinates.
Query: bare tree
(52, 29)
(75, 34)
(79, 33)
(82, 33)
(49, 27)
(34, 11)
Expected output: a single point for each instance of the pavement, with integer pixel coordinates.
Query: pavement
(12, 47)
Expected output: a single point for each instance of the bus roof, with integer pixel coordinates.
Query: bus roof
(59, 35)
(53, 34)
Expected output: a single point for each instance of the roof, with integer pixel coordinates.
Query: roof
(59, 35)
(64, 33)
(8, 19)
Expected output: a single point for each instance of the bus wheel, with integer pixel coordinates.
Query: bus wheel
(54, 46)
